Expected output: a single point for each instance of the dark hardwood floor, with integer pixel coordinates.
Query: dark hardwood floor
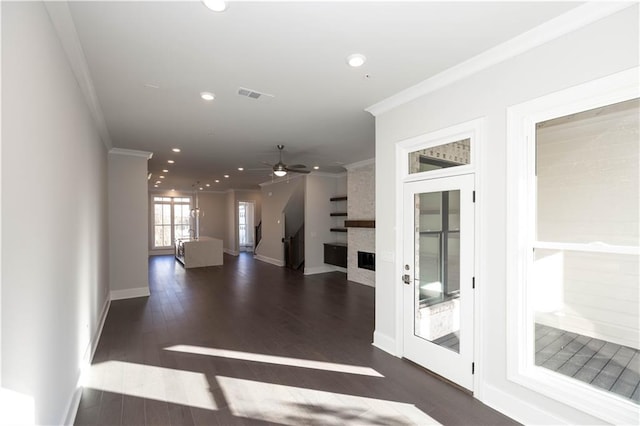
(252, 343)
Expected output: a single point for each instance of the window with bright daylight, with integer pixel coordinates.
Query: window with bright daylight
(583, 276)
(171, 220)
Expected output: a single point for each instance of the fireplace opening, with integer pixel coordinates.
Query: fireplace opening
(367, 260)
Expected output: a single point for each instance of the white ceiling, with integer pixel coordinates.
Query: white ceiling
(293, 50)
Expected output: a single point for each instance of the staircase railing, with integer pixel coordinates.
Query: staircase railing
(294, 249)
(258, 235)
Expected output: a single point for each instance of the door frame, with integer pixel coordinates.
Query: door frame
(475, 131)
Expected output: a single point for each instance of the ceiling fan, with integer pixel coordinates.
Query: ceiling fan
(280, 169)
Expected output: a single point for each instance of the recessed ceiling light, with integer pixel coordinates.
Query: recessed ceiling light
(226, 176)
(207, 96)
(356, 60)
(241, 168)
(216, 5)
(175, 149)
(173, 189)
(208, 185)
(217, 180)
(200, 188)
(316, 167)
(170, 161)
(161, 177)
(158, 181)
(155, 186)
(165, 171)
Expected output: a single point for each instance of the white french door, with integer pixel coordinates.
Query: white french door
(438, 276)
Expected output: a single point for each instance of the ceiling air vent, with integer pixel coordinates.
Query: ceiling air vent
(243, 91)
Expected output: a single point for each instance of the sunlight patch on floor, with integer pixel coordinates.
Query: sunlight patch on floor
(279, 360)
(151, 382)
(16, 408)
(294, 406)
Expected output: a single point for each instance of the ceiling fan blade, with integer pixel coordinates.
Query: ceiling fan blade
(297, 166)
(297, 170)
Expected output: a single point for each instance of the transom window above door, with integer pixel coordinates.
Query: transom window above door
(437, 157)
(445, 152)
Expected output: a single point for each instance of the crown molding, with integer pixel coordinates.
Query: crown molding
(65, 28)
(131, 153)
(568, 22)
(359, 164)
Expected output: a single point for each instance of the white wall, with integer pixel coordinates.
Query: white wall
(361, 206)
(214, 223)
(274, 198)
(54, 216)
(599, 49)
(128, 224)
(318, 222)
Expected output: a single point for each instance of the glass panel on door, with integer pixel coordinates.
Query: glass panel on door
(437, 268)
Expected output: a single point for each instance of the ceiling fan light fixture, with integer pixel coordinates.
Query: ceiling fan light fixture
(280, 169)
(215, 5)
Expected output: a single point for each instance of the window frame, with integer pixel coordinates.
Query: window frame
(521, 238)
(172, 226)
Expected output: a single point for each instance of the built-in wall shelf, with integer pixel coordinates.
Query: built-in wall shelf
(360, 223)
(340, 211)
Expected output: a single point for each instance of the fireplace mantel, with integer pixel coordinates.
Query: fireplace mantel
(360, 223)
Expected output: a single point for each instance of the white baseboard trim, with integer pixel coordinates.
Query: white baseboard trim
(130, 293)
(518, 409)
(269, 260)
(161, 252)
(231, 252)
(74, 402)
(384, 342)
(322, 269)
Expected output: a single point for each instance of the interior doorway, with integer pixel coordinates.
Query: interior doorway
(246, 222)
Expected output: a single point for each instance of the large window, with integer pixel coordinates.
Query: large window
(584, 276)
(171, 220)
(574, 247)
